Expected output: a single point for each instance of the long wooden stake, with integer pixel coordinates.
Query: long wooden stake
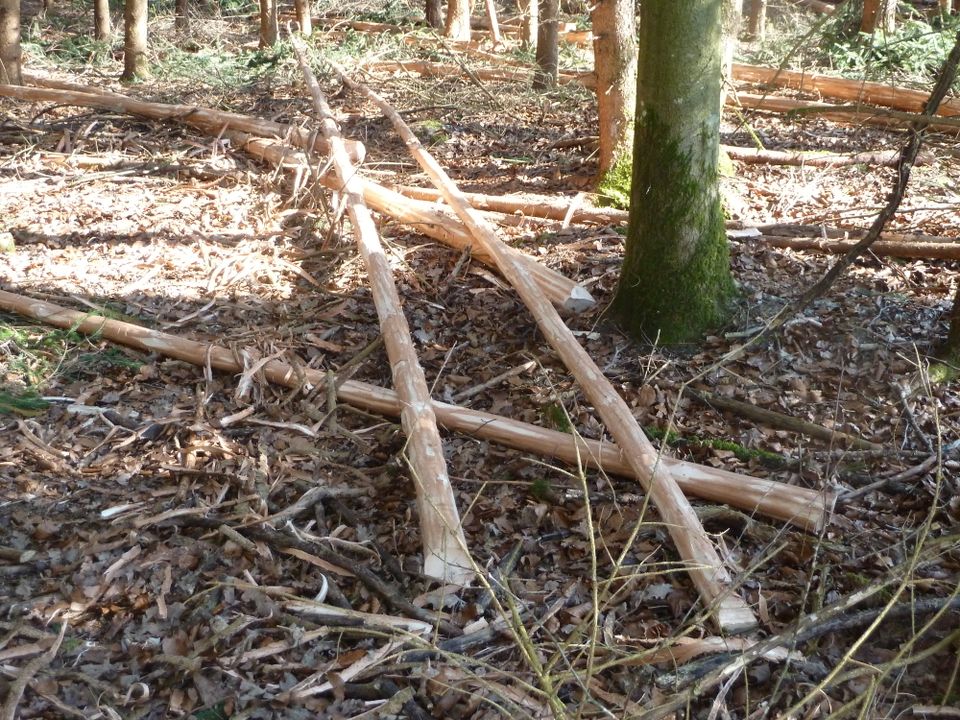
(806, 509)
(860, 91)
(704, 565)
(445, 554)
(428, 220)
(541, 206)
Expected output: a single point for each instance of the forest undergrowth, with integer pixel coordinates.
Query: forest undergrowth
(176, 541)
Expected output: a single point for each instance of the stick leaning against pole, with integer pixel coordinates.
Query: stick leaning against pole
(445, 554)
(712, 580)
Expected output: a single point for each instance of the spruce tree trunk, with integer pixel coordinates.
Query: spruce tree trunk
(304, 20)
(675, 282)
(181, 15)
(102, 25)
(757, 20)
(615, 59)
(531, 23)
(135, 64)
(458, 19)
(879, 15)
(548, 46)
(434, 14)
(10, 42)
(269, 23)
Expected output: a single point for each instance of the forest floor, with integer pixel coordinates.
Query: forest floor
(129, 504)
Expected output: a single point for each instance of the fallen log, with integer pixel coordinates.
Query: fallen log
(839, 113)
(775, 419)
(884, 248)
(824, 8)
(840, 233)
(710, 577)
(806, 509)
(562, 291)
(539, 206)
(426, 219)
(858, 91)
(206, 119)
(445, 553)
(817, 159)
(511, 74)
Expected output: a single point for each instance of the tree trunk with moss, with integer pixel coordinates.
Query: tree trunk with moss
(458, 19)
(135, 63)
(675, 281)
(102, 26)
(10, 42)
(615, 59)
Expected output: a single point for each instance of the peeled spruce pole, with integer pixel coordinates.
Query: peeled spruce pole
(807, 509)
(445, 554)
(706, 569)
(428, 219)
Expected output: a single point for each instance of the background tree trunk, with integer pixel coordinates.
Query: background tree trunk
(135, 65)
(434, 14)
(10, 42)
(181, 15)
(675, 281)
(879, 15)
(757, 20)
(269, 31)
(458, 20)
(304, 20)
(548, 46)
(531, 23)
(102, 25)
(615, 60)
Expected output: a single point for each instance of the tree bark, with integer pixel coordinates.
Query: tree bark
(269, 24)
(548, 46)
(531, 23)
(458, 20)
(878, 15)
(675, 281)
(615, 61)
(304, 20)
(135, 64)
(434, 13)
(102, 25)
(757, 20)
(10, 42)
(181, 16)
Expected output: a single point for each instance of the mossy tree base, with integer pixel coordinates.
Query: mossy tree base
(675, 282)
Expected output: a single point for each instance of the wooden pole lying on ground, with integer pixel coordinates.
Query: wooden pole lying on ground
(885, 248)
(860, 91)
(540, 206)
(206, 119)
(566, 294)
(838, 113)
(445, 553)
(704, 565)
(816, 159)
(427, 220)
(807, 509)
